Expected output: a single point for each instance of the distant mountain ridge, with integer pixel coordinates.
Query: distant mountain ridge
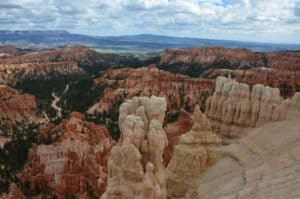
(126, 43)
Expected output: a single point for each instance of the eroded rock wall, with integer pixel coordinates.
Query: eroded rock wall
(233, 106)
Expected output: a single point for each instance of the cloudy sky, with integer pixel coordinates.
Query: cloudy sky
(249, 20)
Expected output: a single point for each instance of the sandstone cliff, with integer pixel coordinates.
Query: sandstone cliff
(191, 156)
(233, 106)
(76, 164)
(135, 166)
(179, 90)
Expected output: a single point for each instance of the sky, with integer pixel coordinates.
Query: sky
(276, 21)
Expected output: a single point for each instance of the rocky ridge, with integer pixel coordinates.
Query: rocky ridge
(274, 69)
(219, 57)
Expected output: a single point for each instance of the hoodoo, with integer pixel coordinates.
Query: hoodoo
(135, 166)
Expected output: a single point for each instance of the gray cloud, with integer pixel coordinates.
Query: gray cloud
(297, 11)
(10, 6)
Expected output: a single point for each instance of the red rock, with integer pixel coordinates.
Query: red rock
(16, 107)
(276, 69)
(120, 84)
(185, 122)
(207, 57)
(174, 130)
(73, 165)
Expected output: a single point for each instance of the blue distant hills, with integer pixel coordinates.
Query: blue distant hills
(127, 43)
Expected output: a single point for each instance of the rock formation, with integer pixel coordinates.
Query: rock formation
(10, 73)
(263, 164)
(191, 156)
(75, 164)
(233, 107)
(16, 107)
(179, 90)
(275, 69)
(219, 57)
(135, 166)
(61, 61)
(288, 81)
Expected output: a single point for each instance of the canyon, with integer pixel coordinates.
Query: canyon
(194, 123)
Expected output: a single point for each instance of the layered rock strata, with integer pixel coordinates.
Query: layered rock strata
(233, 106)
(135, 166)
(179, 90)
(193, 154)
(76, 164)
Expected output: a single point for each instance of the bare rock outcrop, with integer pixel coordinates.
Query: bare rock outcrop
(233, 107)
(135, 166)
(75, 164)
(191, 156)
